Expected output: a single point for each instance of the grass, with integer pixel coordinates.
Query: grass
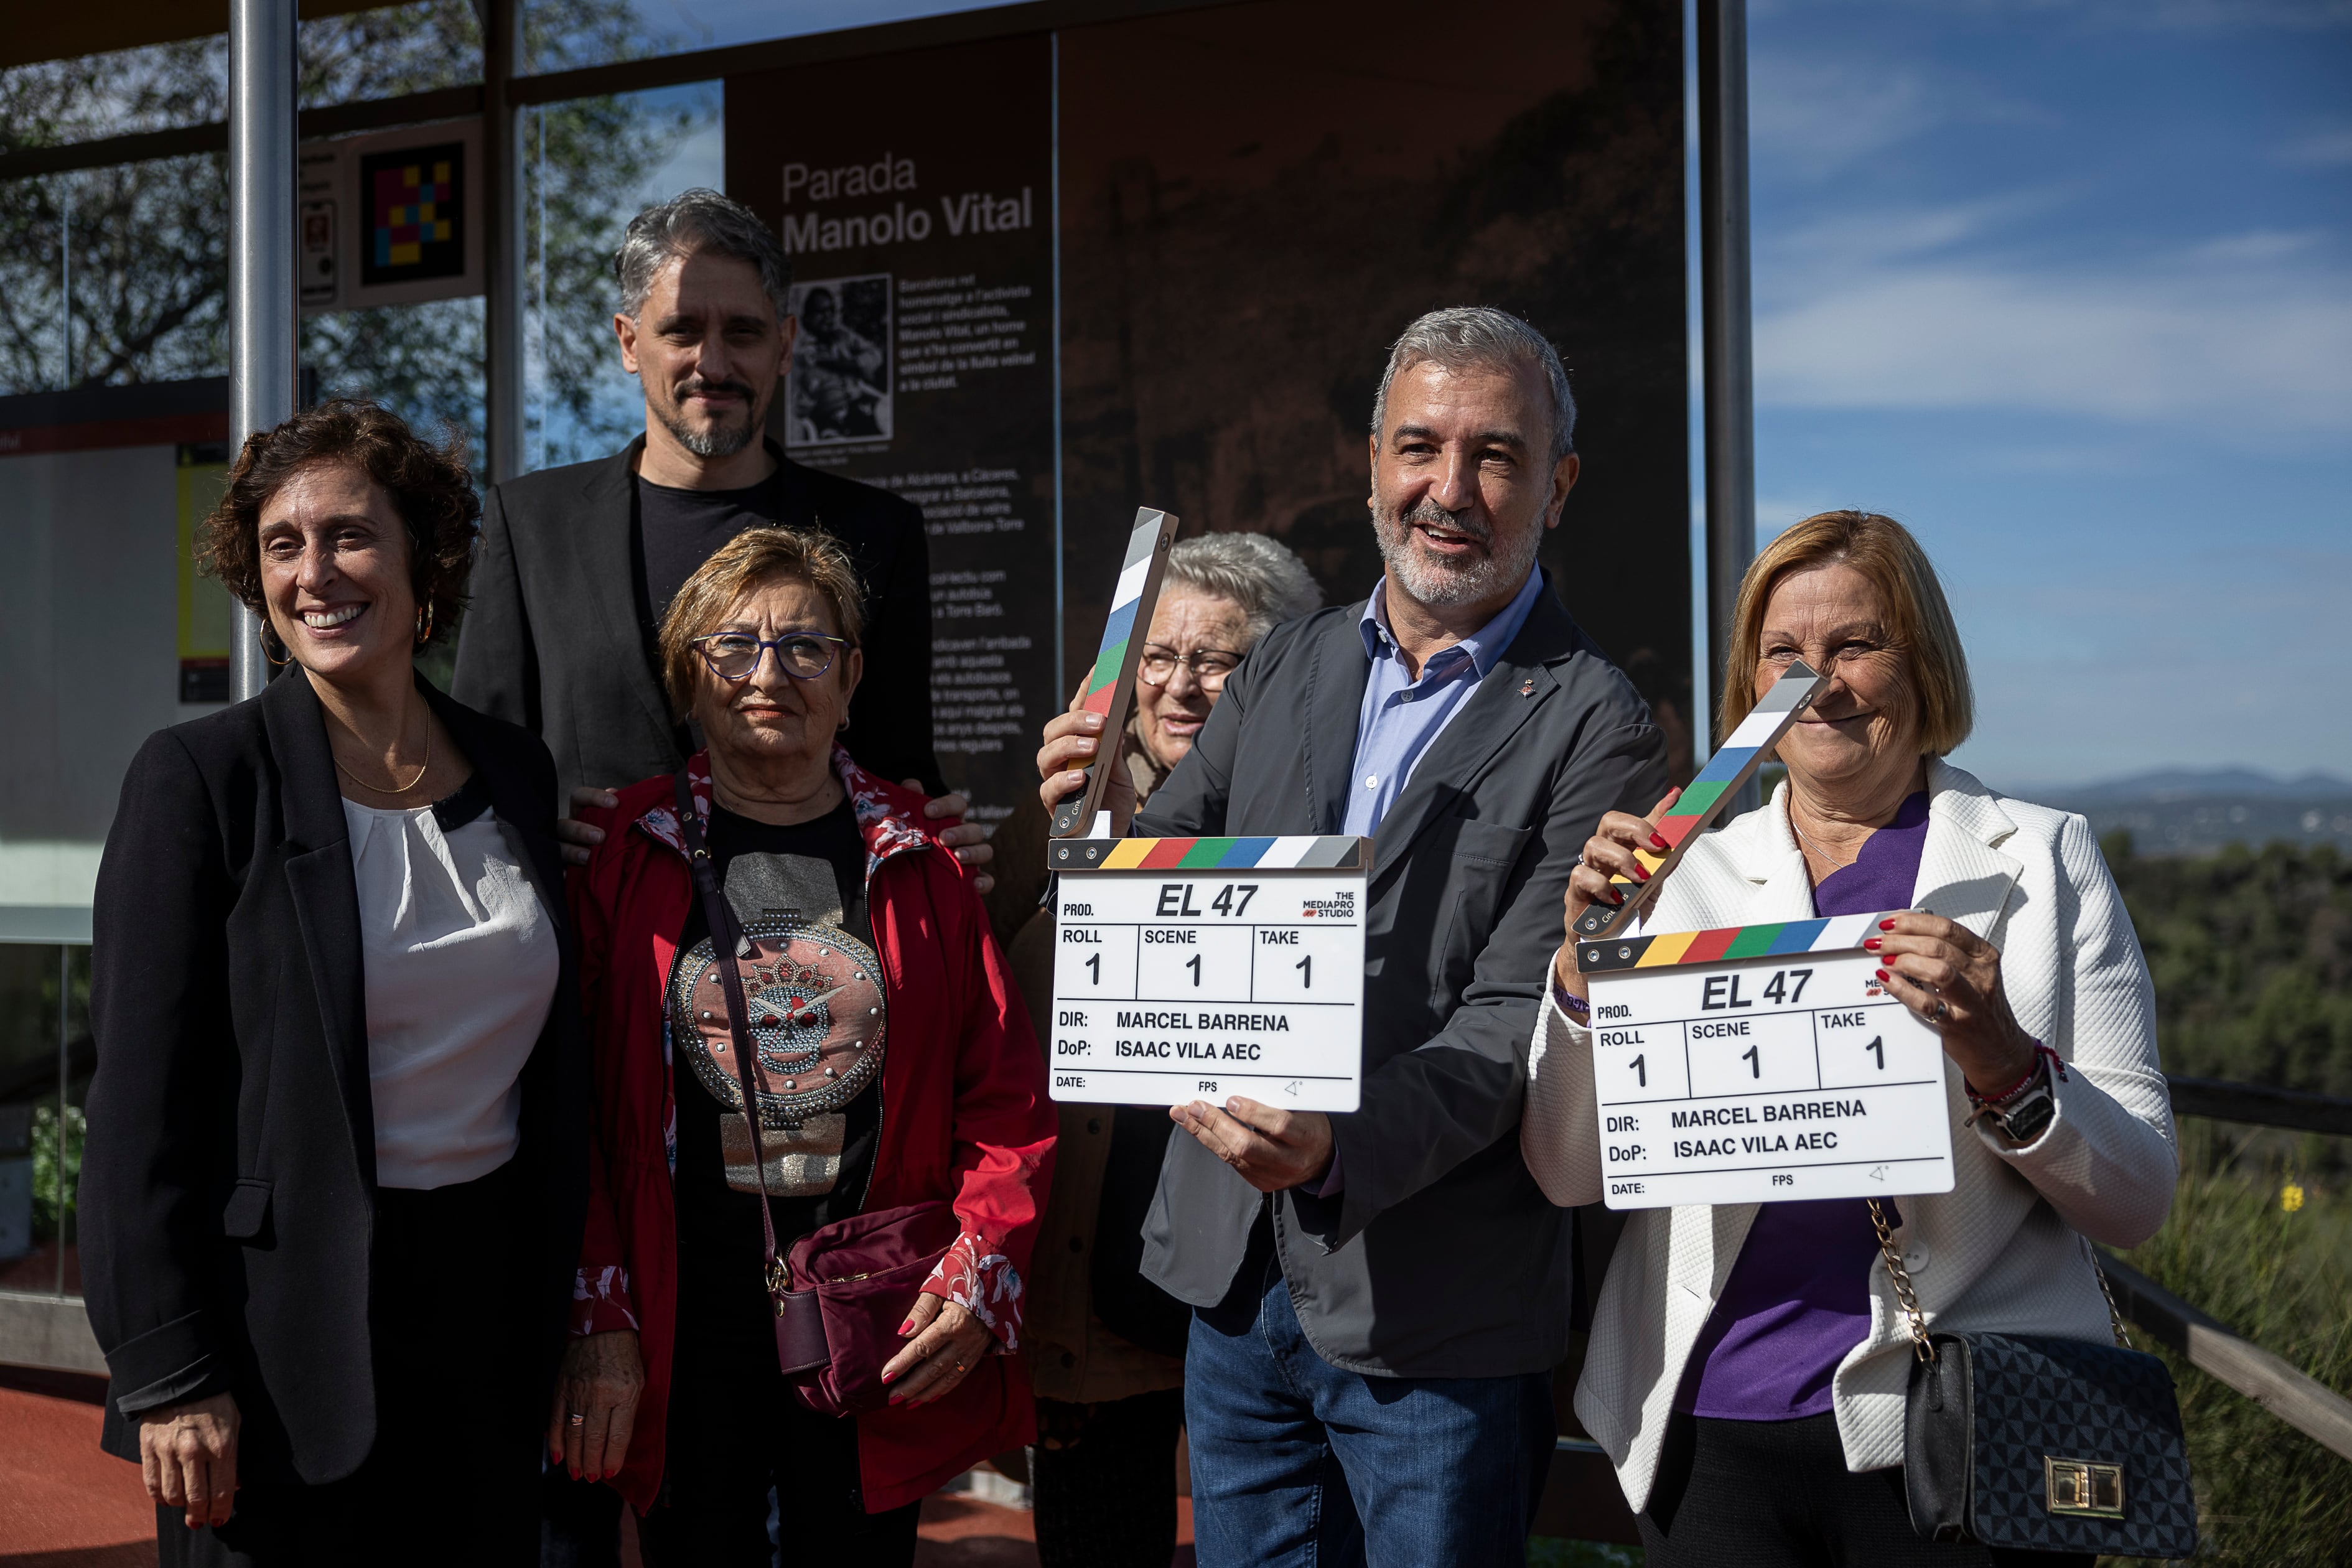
(2268, 1252)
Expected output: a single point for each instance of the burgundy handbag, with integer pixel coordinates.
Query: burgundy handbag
(848, 1285)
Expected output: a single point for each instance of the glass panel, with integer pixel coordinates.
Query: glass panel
(153, 88)
(37, 1232)
(379, 53)
(116, 275)
(389, 51)
(565, 34)
(591, 164)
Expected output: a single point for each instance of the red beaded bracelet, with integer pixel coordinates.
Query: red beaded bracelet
(2022, 1085)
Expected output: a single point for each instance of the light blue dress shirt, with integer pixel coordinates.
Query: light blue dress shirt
(1401, 716)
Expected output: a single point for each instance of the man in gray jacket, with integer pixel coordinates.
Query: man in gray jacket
(1381, 1297)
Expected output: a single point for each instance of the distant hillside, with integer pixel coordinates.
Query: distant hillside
(2227, 785)
(2197, 811)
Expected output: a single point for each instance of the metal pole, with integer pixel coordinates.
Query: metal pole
(261, 300)
(65, 1078)
(502, 254)
(1726, 353)
(65, 281)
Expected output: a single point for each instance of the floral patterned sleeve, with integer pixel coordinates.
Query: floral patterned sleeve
(978, 1277)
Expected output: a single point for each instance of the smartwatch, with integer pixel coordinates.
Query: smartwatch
(2024, 1111)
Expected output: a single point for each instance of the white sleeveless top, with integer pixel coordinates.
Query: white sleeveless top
(461, 966)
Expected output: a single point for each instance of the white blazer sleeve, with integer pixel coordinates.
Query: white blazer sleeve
(1559, 1132)
(2106, 1163)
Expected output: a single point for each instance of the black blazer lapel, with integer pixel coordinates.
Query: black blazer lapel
(325, 893)
(1484, 726)
(1337, 672)
(607, 578)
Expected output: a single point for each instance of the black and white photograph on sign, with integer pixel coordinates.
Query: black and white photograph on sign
(839, 388)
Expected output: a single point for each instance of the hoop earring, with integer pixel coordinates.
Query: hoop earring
(263, 635)
(424, 624)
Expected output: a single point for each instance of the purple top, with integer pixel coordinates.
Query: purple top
(1799, 1296)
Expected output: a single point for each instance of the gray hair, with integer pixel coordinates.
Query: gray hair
(697, 222)
(1479, 337)
(1252, 569)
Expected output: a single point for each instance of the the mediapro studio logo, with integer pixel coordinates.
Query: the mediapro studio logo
(1342, 907)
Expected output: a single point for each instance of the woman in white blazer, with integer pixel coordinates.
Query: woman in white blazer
(1748, 1363)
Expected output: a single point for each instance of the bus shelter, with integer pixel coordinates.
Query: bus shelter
(1080, 254)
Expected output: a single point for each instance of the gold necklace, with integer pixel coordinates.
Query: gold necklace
(396, 789)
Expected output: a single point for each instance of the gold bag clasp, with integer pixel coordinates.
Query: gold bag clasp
(2083, 1489)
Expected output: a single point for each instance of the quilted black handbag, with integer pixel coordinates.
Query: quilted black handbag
(2041, 1444)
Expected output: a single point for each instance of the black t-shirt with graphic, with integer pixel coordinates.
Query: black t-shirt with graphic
(722, 1282)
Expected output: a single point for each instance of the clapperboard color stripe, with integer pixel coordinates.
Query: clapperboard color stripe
(1837, 933)
(1111, 684)
(1703, 801)
(1119, 630)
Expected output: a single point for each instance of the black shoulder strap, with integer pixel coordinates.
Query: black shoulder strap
(727, 944)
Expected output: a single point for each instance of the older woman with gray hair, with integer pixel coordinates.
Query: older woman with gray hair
(1223, 591)
(1107, 1349)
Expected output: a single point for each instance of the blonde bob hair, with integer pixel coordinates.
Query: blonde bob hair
(1919, 620)
(753, 558)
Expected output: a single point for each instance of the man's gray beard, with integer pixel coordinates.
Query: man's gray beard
(1435, 583)
(724, 441)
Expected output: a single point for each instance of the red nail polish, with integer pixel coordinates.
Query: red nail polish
(1658, 843)
(1640, 875)
(1886, 925)
(1615, 897)
(1871, 944)
(1882, 974)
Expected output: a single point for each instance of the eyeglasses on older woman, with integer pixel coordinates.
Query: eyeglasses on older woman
(735, 656)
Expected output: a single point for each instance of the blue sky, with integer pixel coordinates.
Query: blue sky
(2067, 287)
(2065, 284)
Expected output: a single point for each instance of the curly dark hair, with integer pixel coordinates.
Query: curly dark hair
(431, 490)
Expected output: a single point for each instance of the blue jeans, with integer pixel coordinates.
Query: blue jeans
(1296, 1462)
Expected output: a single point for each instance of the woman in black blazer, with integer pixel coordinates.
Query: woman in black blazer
(331, 1200)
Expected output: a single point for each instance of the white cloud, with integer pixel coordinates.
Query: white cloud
(2248, 335)
(2085, 679)
(1811, 114)
(2330, 149)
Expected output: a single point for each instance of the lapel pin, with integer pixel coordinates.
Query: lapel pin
(1527, 689)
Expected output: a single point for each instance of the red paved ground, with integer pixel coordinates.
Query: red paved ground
(63, 1504)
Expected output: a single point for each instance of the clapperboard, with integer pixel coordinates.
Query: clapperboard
(1186, 968)
(1755, 1064)
(1761, 1064)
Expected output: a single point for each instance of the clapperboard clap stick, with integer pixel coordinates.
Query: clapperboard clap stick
(1734, 764)
(1110, 685)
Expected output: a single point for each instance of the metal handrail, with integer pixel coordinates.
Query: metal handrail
(2260, 1105)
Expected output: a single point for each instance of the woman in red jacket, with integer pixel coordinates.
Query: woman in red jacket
(898, 1068)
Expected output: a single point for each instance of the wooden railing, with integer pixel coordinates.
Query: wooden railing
(1581, 1500)
(2304, 1403)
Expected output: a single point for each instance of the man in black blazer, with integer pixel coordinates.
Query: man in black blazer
(578, 564)
(1381, 1297)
